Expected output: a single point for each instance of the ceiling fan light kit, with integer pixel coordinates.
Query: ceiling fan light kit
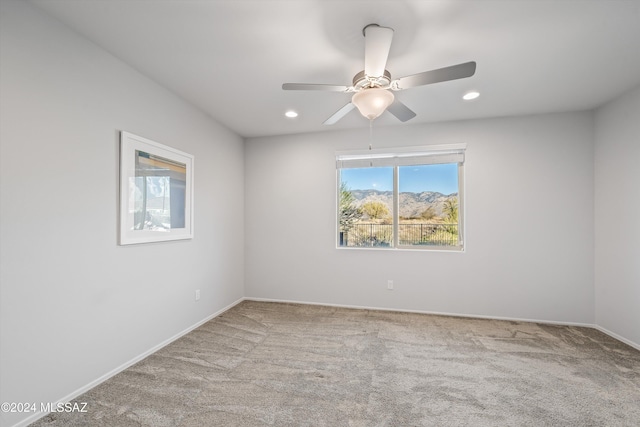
(372, 102)
(373, 85)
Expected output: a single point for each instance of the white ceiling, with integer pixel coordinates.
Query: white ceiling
(230, 58)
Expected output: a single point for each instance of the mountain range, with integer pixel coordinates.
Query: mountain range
(411, 205)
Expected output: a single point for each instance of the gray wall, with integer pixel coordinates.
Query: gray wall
(529, 222)
(74, 304)
(617, 213)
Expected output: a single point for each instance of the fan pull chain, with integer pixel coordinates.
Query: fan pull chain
(370, 139)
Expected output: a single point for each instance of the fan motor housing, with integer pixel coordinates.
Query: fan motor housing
(362, 81)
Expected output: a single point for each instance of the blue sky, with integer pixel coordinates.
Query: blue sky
(442, 178)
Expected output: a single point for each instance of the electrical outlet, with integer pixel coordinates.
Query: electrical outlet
(390, 285)
(197, 294)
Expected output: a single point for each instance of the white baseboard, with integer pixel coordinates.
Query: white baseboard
(37, 415)
(437, 313)
(618, 337)
(471, 316)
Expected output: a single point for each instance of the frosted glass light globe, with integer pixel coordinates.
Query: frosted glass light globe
(372, 102)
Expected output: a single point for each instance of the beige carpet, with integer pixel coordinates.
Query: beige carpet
(271, 364)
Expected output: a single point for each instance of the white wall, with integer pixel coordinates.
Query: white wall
(617, 213)
(74, 304)
(529, 222)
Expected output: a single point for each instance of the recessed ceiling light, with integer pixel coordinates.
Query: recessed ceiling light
(471, 95)
(291, 114)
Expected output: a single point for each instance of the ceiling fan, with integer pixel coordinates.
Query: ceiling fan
(373, 86)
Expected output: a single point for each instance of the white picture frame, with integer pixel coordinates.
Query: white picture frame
(156, 192)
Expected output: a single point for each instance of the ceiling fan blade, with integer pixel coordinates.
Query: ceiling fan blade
(339, 114)
(377, 42)
(312, 86)
(401, 111)
(453, 72)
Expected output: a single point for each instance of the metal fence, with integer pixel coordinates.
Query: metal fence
(380, 235)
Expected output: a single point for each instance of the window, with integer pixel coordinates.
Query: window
(408, 198)
(156, 192)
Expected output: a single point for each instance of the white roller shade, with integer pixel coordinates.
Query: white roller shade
(400, 158)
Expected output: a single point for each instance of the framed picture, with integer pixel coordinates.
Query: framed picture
(156, 191)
